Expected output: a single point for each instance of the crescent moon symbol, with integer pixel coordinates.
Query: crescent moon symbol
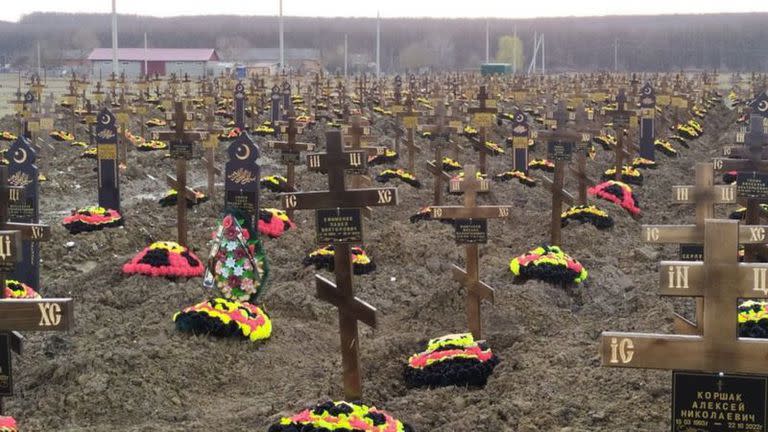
(647, 90)
(519, 118)
(105, 119)
(763, 106)
(247, 152)
(16, 156)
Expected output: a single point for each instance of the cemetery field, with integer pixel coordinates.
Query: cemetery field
(124, 366)
(9, 84)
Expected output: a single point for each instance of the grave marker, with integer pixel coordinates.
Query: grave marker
(483, 118)
(107, 154)
(471, 229)
(242, 175)
(647, 122)
(23, 173)
(181, 148)
(339, 205)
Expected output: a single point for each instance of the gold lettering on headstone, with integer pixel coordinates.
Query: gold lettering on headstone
(50, 314)
(718, 164)
(728, 194)
(622, 350)
(290, 201)
(355, 160)
(313, 161)
(678, 277)
(503, 212)
(761, 276)
(5, 248)
(651, 234)
(682, 193)
(385, 196)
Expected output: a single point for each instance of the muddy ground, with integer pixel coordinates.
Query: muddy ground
(125, 368)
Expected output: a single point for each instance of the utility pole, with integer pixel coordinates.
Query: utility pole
(543, 55)
(378, 45)
(346, 50)
(115, 63)
(514, 52)
(616, 55)
(39, 65)
(487, 42)
(282, 39)
(146, 55)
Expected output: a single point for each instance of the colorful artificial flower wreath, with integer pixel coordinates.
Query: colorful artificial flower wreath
(542, 164)
(548, 264)
(273, 222)
(18, 290)
(93, 218)
(81, 144)
(494, 148)
(155, 122)
(641, 163)
(470, 132)
(665, 147)
(629, 175)
(172, 196)
(451, 360)
(680, 140)
(165, 259)
(238, 270)
(152, 145)
(61, 136)
(89, 153)
(340, 417)
(424, 214)
(730, 177)
(605, 141)
(450, 165)
(275, 183)
(264, 129)
(517, 175)
(741, 212)
(8, 424)
(7, 136)
(617, 193)
(323, 258)
(401, 174)
(753, 319)
(224, 318)
(587, 214)
(230, 134)
(389, 156)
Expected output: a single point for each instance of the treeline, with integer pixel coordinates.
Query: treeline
(737, 42)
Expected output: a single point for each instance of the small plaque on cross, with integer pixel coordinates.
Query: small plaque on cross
(560, 150)
(752, 185)
(341, 225)
(471, 231)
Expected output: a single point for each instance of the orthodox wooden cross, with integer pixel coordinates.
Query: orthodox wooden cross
(440, 137)
(21, 315)
(107, 154)
(410, 120)
(705, 194)
(210, 144)
(561, 143)
(290, 151)
(339, 222)
(470, 222)
(751, 177)
(620, 119)
(721, 281)
(181, 148)
(483, 118)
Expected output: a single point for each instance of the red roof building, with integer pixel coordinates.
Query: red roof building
(161, 61)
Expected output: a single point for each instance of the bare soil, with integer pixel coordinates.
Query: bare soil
(124, 367)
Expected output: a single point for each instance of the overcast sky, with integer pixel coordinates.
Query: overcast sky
(12, 10)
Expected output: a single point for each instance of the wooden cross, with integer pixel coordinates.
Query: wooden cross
(339, 222)
(470, 223)
(580, 171)
(290, 151)
(181, 143)
(210, 145)
(441, 136)
(561, 143)
(754, 166)
(721, 281)
(705, 194)
(123, 117)
(20, 315)
(483, 118)
(620, 118)
(410, 120)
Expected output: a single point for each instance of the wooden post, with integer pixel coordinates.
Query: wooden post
(339, 222)
(483, 118)
(471, 228)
